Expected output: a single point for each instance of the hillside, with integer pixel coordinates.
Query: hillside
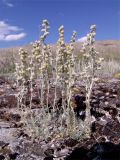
(109, 49)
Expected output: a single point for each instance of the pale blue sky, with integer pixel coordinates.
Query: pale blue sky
(20, 19)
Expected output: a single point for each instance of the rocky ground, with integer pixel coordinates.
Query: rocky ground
(104, 143)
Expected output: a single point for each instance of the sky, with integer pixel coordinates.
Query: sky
(20, 20)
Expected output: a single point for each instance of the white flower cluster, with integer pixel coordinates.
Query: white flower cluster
(92, 61)
(45, 30)
(22, 69)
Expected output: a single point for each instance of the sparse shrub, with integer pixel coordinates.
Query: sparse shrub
(109, 68)
(7, 65)
(60, 74)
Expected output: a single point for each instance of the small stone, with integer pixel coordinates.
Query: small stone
(2, 157)
(102, 97)
(118, 103)
(107, 94)
(49, 152)
(106, 103)
(13, 156)
(62, 152)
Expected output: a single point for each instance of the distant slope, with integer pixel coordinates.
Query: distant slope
(109, 49)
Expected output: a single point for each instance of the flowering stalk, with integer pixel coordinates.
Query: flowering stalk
(46, 61)
(23, 68)
(62, 65)
(91, 65)
(22, 76)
